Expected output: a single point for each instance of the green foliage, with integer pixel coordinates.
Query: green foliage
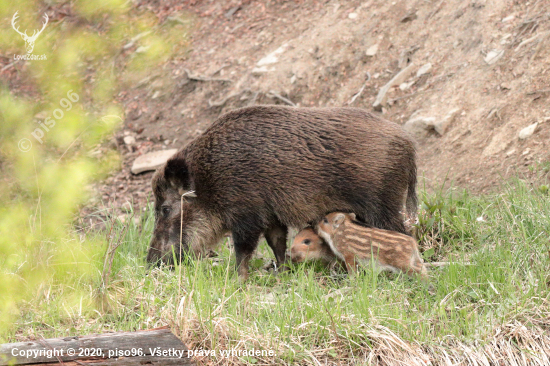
(44, 160)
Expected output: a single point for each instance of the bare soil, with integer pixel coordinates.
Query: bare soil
(323, 62)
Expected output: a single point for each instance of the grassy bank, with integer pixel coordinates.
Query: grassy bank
(495, 308)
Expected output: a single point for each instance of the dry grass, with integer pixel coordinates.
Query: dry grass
(495, 311)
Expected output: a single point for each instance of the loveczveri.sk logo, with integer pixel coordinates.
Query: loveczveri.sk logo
(29, 40)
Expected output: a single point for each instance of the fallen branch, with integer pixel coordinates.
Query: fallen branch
(382, 97)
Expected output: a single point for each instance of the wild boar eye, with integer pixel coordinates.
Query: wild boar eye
(307, 242)
(325, 221)
(165, 211)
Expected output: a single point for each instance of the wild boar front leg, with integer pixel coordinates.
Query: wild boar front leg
(245, 242)
(276, 239)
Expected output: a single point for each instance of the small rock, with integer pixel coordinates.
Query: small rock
(505, 39)
(129, 140)
(441, 126)
(505, 86)
(272, 57)
(510, 152)
(423, 70)
(293, 79)
(405, 86)
(352, 15)
(41, 115)
(269, 298)
(155, 95)
(142, 49)
(480, 219)
(508, 18)
(493, 56)
(95, 153)
(340, 293)
(409, 17)
(152, 161)
(419, 125)
(262, 70)
(526, 151)
(126, 206)
(122, 218)
(372, 50)
(528, 131)
(232, 11)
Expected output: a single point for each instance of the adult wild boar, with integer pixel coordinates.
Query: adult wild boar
(259, 170)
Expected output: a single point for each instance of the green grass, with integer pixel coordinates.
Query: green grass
(310, 314)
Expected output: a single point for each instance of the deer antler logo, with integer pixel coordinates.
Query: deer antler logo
(29, 41)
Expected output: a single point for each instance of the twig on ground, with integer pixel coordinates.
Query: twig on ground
(221, 102)
(529, 40)
(11, 64)
(360, 90)
(437, 9)
(542, 40)
(205, 78)
(254, 98)
(274, 94)
(541, 91)
(411, 95)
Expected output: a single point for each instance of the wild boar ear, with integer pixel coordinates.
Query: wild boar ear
(176, 173)
(338, 220)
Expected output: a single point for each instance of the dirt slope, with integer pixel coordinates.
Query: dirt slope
(487, 78)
